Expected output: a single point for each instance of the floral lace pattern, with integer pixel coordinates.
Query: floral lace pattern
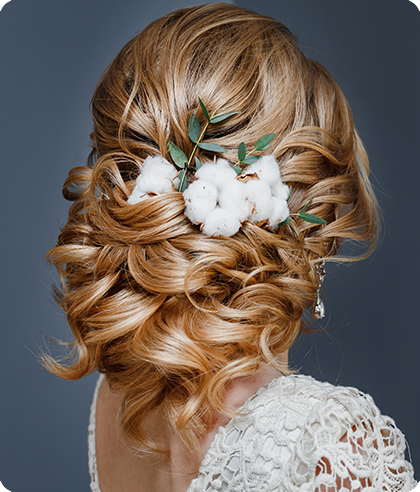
(298, 434)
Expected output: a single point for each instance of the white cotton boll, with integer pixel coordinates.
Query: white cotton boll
(267, 169)
(218, 173)
(280, 190)
(280, 212)
(137, 196)
(259, 196)
(157, 175)
(221, 222)
(157, 183)
(200, 199)
(233, 197)
(158, 165)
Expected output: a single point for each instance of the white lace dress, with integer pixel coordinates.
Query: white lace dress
(298, 434)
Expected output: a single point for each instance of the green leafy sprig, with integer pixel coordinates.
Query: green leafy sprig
(196, 134)
(302, 214)
(263, 143)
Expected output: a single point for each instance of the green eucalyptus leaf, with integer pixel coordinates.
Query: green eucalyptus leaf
(178, 156)
(313, 219)
(211, 147)
(241, 152)
(237, 169)
(250, 159)
(205, 111)
(198, 163)
(221, 117)
(183, 182)
(285, 222)
(290, 194)
(263, 143)
(194, 128)
(305, 208)
(293, 229)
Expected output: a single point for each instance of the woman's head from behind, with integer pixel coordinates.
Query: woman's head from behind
(170, 315)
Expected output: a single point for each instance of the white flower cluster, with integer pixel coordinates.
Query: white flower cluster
(221, 202)
(217, 199)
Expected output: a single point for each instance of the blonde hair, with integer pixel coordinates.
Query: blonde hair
(169, 315)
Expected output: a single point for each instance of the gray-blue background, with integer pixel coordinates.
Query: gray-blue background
(51, 54)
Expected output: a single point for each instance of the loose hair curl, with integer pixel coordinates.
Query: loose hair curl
(169, 315)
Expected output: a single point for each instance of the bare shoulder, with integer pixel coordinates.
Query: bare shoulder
(119, 469)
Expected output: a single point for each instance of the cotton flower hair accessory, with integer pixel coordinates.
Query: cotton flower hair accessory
(222, 196)
(157, 176)
(219, 200)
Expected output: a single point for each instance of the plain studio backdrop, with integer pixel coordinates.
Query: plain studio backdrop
(52, 53)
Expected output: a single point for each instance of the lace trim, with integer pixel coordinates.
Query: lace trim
(93, 469)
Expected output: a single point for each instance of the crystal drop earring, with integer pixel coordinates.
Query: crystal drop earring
(318, 308)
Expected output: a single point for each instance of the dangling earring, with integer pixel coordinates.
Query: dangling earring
(318, 308)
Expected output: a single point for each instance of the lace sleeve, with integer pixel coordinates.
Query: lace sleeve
(347, 445)
(302, 435)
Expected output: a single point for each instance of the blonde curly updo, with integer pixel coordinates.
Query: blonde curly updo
(169, 315)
